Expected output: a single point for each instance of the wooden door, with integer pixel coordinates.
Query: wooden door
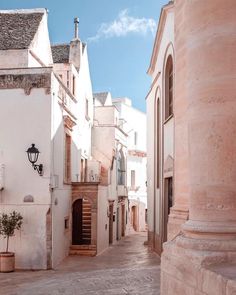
(117, 223)
(134, 217)
(82, 219)
(77, 222)
(123, 220)
(168, 203)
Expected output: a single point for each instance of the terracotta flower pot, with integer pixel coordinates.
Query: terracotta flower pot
(7, 262)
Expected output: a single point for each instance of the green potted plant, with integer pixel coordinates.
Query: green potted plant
(8, 224)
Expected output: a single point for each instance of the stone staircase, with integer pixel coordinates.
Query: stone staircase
(86, 223)
(83, 250)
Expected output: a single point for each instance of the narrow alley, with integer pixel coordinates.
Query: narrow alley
(125, 268)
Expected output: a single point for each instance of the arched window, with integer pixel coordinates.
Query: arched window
(121, 168)
(169, 88)
(157, 142)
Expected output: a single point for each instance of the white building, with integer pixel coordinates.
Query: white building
(160, 136)
(46, 99)
(110, 147)
(133, 122)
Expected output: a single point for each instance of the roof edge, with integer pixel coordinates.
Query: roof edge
(161, 24)
(60, 44)
(26, 11)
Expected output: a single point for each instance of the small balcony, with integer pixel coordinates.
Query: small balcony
(122, 190)
(91, 172)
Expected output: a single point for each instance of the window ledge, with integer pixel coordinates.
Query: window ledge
(168, 119)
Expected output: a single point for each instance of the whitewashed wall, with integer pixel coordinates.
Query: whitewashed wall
(20, 118)
(134, 124)
(38, 118)
(40, 45)
(107, 140)
(80, 148)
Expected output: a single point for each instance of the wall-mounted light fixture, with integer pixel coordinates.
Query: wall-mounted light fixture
(33, 154)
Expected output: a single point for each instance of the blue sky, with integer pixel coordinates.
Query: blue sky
(119, 34)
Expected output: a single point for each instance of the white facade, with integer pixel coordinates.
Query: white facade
(109, 142)
(160, 132)
(37, 106)
(133, 122)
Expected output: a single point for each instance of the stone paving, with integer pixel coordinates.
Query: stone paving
(125, 268)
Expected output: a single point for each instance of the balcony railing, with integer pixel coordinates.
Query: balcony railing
(91, 173)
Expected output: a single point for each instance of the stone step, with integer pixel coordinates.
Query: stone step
(83, 252)
(83, 247)
(86, 230)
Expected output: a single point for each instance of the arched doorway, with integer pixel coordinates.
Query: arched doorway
(134, 217)
(111, 205)
(81, 224)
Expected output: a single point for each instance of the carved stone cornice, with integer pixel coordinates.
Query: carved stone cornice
(26, 82)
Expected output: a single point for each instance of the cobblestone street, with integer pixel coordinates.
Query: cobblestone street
(125, 268)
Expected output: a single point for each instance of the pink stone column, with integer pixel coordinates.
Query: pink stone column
(205, 141)
(206, 82)
(180, 211)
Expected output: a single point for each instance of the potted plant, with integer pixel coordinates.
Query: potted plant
(8, 224)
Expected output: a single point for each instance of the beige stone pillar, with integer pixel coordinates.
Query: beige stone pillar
(205, 50)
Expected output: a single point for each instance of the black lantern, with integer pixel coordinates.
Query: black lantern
(33, 154)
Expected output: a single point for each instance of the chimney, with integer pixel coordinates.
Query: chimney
(76, 22)
(76, 46)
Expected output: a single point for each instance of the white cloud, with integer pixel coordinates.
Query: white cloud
(123, 25)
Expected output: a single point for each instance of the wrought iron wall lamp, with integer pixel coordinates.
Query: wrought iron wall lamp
(33, 154)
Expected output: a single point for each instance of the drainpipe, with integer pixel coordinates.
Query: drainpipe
(50, 265)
